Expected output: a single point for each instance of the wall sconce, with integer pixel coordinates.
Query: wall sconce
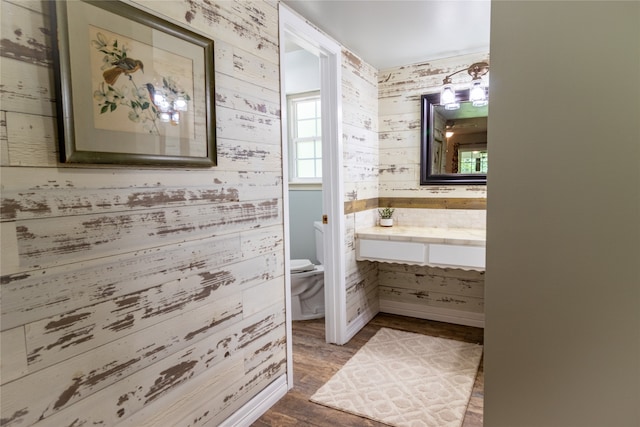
(477, 93)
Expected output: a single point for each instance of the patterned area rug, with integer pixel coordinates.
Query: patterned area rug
(405, 379)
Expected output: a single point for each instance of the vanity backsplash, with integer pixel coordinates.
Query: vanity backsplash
(441, 218)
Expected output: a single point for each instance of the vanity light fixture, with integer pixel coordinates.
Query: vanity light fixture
(477, 93)
(448, 95)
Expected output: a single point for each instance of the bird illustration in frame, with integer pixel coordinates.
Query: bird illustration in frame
(125, 66)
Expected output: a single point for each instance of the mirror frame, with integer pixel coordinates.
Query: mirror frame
(427, 177)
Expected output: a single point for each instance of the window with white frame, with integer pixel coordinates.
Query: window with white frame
(305, 138)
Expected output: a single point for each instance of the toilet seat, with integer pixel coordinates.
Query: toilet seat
(301, 265)
(317, 271)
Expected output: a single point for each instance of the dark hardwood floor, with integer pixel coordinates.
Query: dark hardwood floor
(315, 362)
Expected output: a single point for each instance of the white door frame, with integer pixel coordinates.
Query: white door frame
(330, 54)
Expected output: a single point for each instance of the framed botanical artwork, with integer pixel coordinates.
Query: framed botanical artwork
(131, 87)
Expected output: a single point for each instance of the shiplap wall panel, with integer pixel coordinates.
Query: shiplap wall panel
(185, 400)
(80, 376)
(40, 294)
(243, 96)
(251, 26)
(79, 238)
(426, 299)
(28, 43)
(162, 411)
(13, 354)
(33, 5)
(24, 33)
(424, 287)
(47, 193)
(234, 157)
(170, 376)
(26, 88)
(31, 140)
(203, 206)
(27, 79)
(220, 403)
(360, 157)
(359, 82)
(362, 291)
(240, 125)
(400, 139)
(246, 67)
(362, 160)
(443, 280)
(56, 338)
(126, 286)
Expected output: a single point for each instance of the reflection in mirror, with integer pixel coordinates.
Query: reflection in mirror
(453, 142)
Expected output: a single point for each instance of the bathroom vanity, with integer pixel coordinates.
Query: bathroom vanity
(429, 273)
(437, 247)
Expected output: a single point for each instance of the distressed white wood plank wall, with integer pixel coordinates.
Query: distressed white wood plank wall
(360, 146)
(137, 294)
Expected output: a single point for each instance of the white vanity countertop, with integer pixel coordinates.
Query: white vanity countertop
(451, 236)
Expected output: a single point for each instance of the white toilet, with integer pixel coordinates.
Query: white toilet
(307, 283)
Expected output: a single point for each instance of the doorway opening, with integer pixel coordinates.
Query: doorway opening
(296, 35)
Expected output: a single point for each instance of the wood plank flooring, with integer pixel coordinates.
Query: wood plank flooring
(315, 362)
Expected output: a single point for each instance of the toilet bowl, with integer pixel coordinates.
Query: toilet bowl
(307, 293)
(307, 283)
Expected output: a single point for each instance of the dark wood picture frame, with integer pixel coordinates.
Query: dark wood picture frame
(131, 88)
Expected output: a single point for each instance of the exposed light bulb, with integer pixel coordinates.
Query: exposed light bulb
(448, 97)
(477, 94)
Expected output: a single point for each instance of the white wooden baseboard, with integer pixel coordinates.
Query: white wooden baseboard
(432, 313)
(256, 407)
(359, 323)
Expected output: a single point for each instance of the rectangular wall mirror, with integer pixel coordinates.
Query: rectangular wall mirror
(453, 142)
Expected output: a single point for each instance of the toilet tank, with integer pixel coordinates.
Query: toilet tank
(318, 226)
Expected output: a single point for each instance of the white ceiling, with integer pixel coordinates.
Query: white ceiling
(390, 33)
